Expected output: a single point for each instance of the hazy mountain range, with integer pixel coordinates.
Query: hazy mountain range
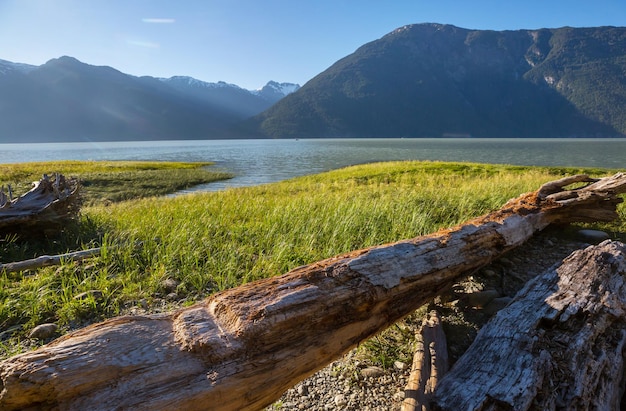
(67, 100)
(423, 80)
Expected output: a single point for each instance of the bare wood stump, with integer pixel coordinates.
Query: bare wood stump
(50, 204)
(242, 348)
(558, 346)
(430, 364)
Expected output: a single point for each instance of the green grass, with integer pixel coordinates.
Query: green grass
(213, 241)
(112, 181)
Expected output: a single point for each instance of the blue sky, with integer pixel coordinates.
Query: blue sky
(249, 42)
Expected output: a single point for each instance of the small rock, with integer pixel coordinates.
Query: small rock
(170, 284)
(143, 303)
(593, 236)
(496, 305)
(446, 297)
(303, 390)
(171, 297)
(43, 331)
(372, 372)
(480, 299)
(96, 294)
(490, 273)
(340, 400)
(399, 365)
(399, 396)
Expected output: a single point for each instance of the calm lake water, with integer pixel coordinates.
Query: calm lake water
(265, 161)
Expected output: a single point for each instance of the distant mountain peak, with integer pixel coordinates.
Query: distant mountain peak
(274, 91)
(193, 82)
(284, 88)
(423, 27)
(65, 61)
(7, 67)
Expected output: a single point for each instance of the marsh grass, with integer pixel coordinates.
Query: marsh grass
(212, 241)
(112, 181)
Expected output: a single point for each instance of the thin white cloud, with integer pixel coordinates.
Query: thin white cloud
(158, 21)
(145, 44)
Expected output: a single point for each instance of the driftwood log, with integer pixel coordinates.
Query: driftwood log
(49, 260)
(558, 345)
(430, 364)
(47, 206)
(243, 347)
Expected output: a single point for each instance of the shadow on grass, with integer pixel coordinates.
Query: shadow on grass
(72, 235)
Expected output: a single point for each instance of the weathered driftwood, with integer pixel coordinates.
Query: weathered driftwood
(49, 204)
(242, 348)
(430, 364)
(48, 260)
(558, 345)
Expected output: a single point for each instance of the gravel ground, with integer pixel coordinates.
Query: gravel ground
(354, 382)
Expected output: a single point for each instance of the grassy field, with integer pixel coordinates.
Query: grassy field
(207, 242)
(112, 181)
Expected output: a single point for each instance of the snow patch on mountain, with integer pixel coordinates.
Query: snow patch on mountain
(7, 67)
(192, 82)
(281, 88)
(272, 88)
(274, 91)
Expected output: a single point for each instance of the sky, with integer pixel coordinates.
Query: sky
(250, 42)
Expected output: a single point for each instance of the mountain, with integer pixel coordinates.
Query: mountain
(434, 80)
(422, 80)
(272, 92)
(241, 102)
(67, 100)
(7, 67)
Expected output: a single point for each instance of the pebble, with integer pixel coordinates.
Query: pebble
(170, 284)
(43, 331)
(372, 372)
(480, 299)
(593, 236)
(399, 365)
(340, 400)
(303, 390)
(490, 273)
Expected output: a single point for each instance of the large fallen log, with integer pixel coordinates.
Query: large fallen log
(243, 347)
(558, 345)
(49, 204)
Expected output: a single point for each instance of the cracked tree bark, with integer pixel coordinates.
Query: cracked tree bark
(243, 347)
(557, 346)
(430, 364)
